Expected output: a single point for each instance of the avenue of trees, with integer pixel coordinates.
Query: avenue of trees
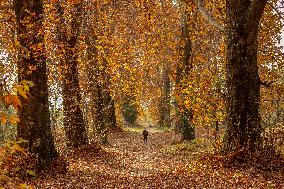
(86, 68)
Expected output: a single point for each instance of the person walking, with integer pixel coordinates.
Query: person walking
(145, 135)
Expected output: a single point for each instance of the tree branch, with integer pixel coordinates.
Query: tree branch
(279, 13)
(5, 7)
(207, 15)
(265, 83)
(6, 19)
(255, 13)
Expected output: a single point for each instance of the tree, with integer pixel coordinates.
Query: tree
(95, 75)
(165, 104)
(129, 109)
(109, 108)
(74, 123)
(98, 76)
(243, 82)
(34, 125)
(185, 114)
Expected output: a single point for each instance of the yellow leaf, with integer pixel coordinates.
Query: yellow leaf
(19, 149)
(4, 119)
(8, 100)
(14, 120)
(24, 186)
(16, 101)
(32, 173)
(23, 93)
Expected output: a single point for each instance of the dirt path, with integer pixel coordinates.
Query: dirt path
(128, 163)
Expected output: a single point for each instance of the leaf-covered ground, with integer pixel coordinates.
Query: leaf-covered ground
(129, 163)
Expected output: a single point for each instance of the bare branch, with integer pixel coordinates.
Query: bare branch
(207, 15)
(266, 83)
(6, 19)
(279, 13)
(254, 15)
(5, 7)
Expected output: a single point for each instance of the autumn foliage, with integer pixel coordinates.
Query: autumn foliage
(81, 79)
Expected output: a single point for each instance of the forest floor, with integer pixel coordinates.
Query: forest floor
(127, 162)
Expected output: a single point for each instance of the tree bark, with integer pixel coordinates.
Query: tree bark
(165, 105)
(185, 115)
(74, 124)
(34, 125)
(95, 82)
(165, 102)
(243, 83)
(109, 108)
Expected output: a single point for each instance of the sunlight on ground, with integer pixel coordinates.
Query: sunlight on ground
(150, 129)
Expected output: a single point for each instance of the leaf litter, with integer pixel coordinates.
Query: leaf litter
(127, 162)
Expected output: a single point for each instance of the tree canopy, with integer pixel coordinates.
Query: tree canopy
(77, 74)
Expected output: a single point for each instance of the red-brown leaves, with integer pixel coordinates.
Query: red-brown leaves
(129, 163)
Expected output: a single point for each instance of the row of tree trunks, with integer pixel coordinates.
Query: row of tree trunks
(34, 125)
(243, 83)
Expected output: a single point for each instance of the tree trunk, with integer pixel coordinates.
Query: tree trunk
(95, 82)
(129, 109)
(185, 115)
(73, 116)
(109, 108)
(34, 125)
(165, 101)
(100, 95)
(165, 105)
(74, 123)
(101, 128)
(243, 83)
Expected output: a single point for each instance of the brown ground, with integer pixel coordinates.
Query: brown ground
(129, 163)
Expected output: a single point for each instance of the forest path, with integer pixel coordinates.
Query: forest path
(126, 163)
(129, 163)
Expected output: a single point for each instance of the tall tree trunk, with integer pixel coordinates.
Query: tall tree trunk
(243, 83)
(109, 108)
(95, 82)
(100, 97)
(74, 124)
(165, 104)
(185, 115)
(34, 125)
(99, 105)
